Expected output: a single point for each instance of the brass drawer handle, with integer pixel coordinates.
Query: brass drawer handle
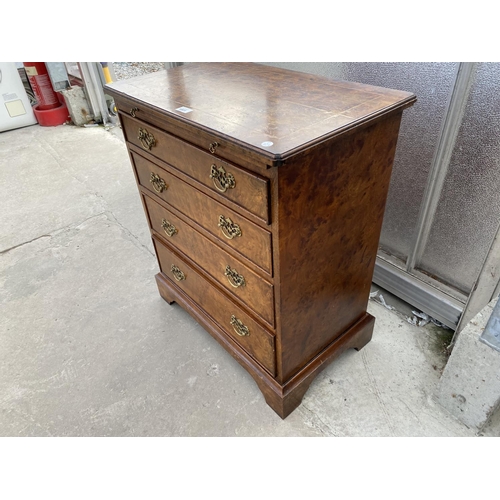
(178, 274)
(158, 183)
(234, 278)
(239, 327)
(169, 228)
(213, 146)
(133, 111)
(222, 180)
(147, 139)
(229, 229)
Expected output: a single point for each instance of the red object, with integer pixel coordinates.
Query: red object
(51, 109)
(39, 79)
(52, 117)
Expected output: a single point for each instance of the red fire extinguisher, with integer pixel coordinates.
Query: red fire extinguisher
(49, 111)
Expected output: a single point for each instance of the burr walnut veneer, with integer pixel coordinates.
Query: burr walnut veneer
(265, 192)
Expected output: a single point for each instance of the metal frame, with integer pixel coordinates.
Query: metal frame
(491, 333)
(436, 303)
(90, 89)
(92, 80)
(486, 287)
(441, 160)
(448, 306)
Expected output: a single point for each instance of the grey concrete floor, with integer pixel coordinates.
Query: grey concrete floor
(88, 347)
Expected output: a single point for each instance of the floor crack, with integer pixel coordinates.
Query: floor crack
(53, 233)
(323, 425)
(134, 238)
(377, 393)
(25, 243)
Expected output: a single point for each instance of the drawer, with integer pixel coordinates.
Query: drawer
(240, 186)
(230, 228)
(233, 275)
(253, 338)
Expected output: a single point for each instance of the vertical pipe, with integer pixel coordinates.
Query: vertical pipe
(106, 72)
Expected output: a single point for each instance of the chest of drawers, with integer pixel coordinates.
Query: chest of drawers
(265, 192)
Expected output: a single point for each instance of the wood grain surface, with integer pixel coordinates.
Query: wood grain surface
(256, 293)
(312, 160)
(329, 228)
(250, 191)
(259, 342)
(254, 104)
(254, 242)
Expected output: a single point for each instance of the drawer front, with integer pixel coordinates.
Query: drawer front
(229, 272)
(229, 227)
(240, 186)
(257, 341)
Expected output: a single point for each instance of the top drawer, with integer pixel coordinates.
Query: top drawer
(240, 186)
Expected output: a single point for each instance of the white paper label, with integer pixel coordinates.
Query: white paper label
(266, 144)
(15, 108)
(9, 97)
(183, 109)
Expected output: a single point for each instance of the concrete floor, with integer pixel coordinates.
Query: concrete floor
(88, 347)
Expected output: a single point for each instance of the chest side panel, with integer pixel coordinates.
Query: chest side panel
(330, 211)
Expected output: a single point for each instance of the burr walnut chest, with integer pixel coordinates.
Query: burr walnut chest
(265, 192)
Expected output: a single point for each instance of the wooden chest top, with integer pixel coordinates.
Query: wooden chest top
(270, 111)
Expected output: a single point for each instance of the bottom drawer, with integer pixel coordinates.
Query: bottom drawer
(255, 339)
